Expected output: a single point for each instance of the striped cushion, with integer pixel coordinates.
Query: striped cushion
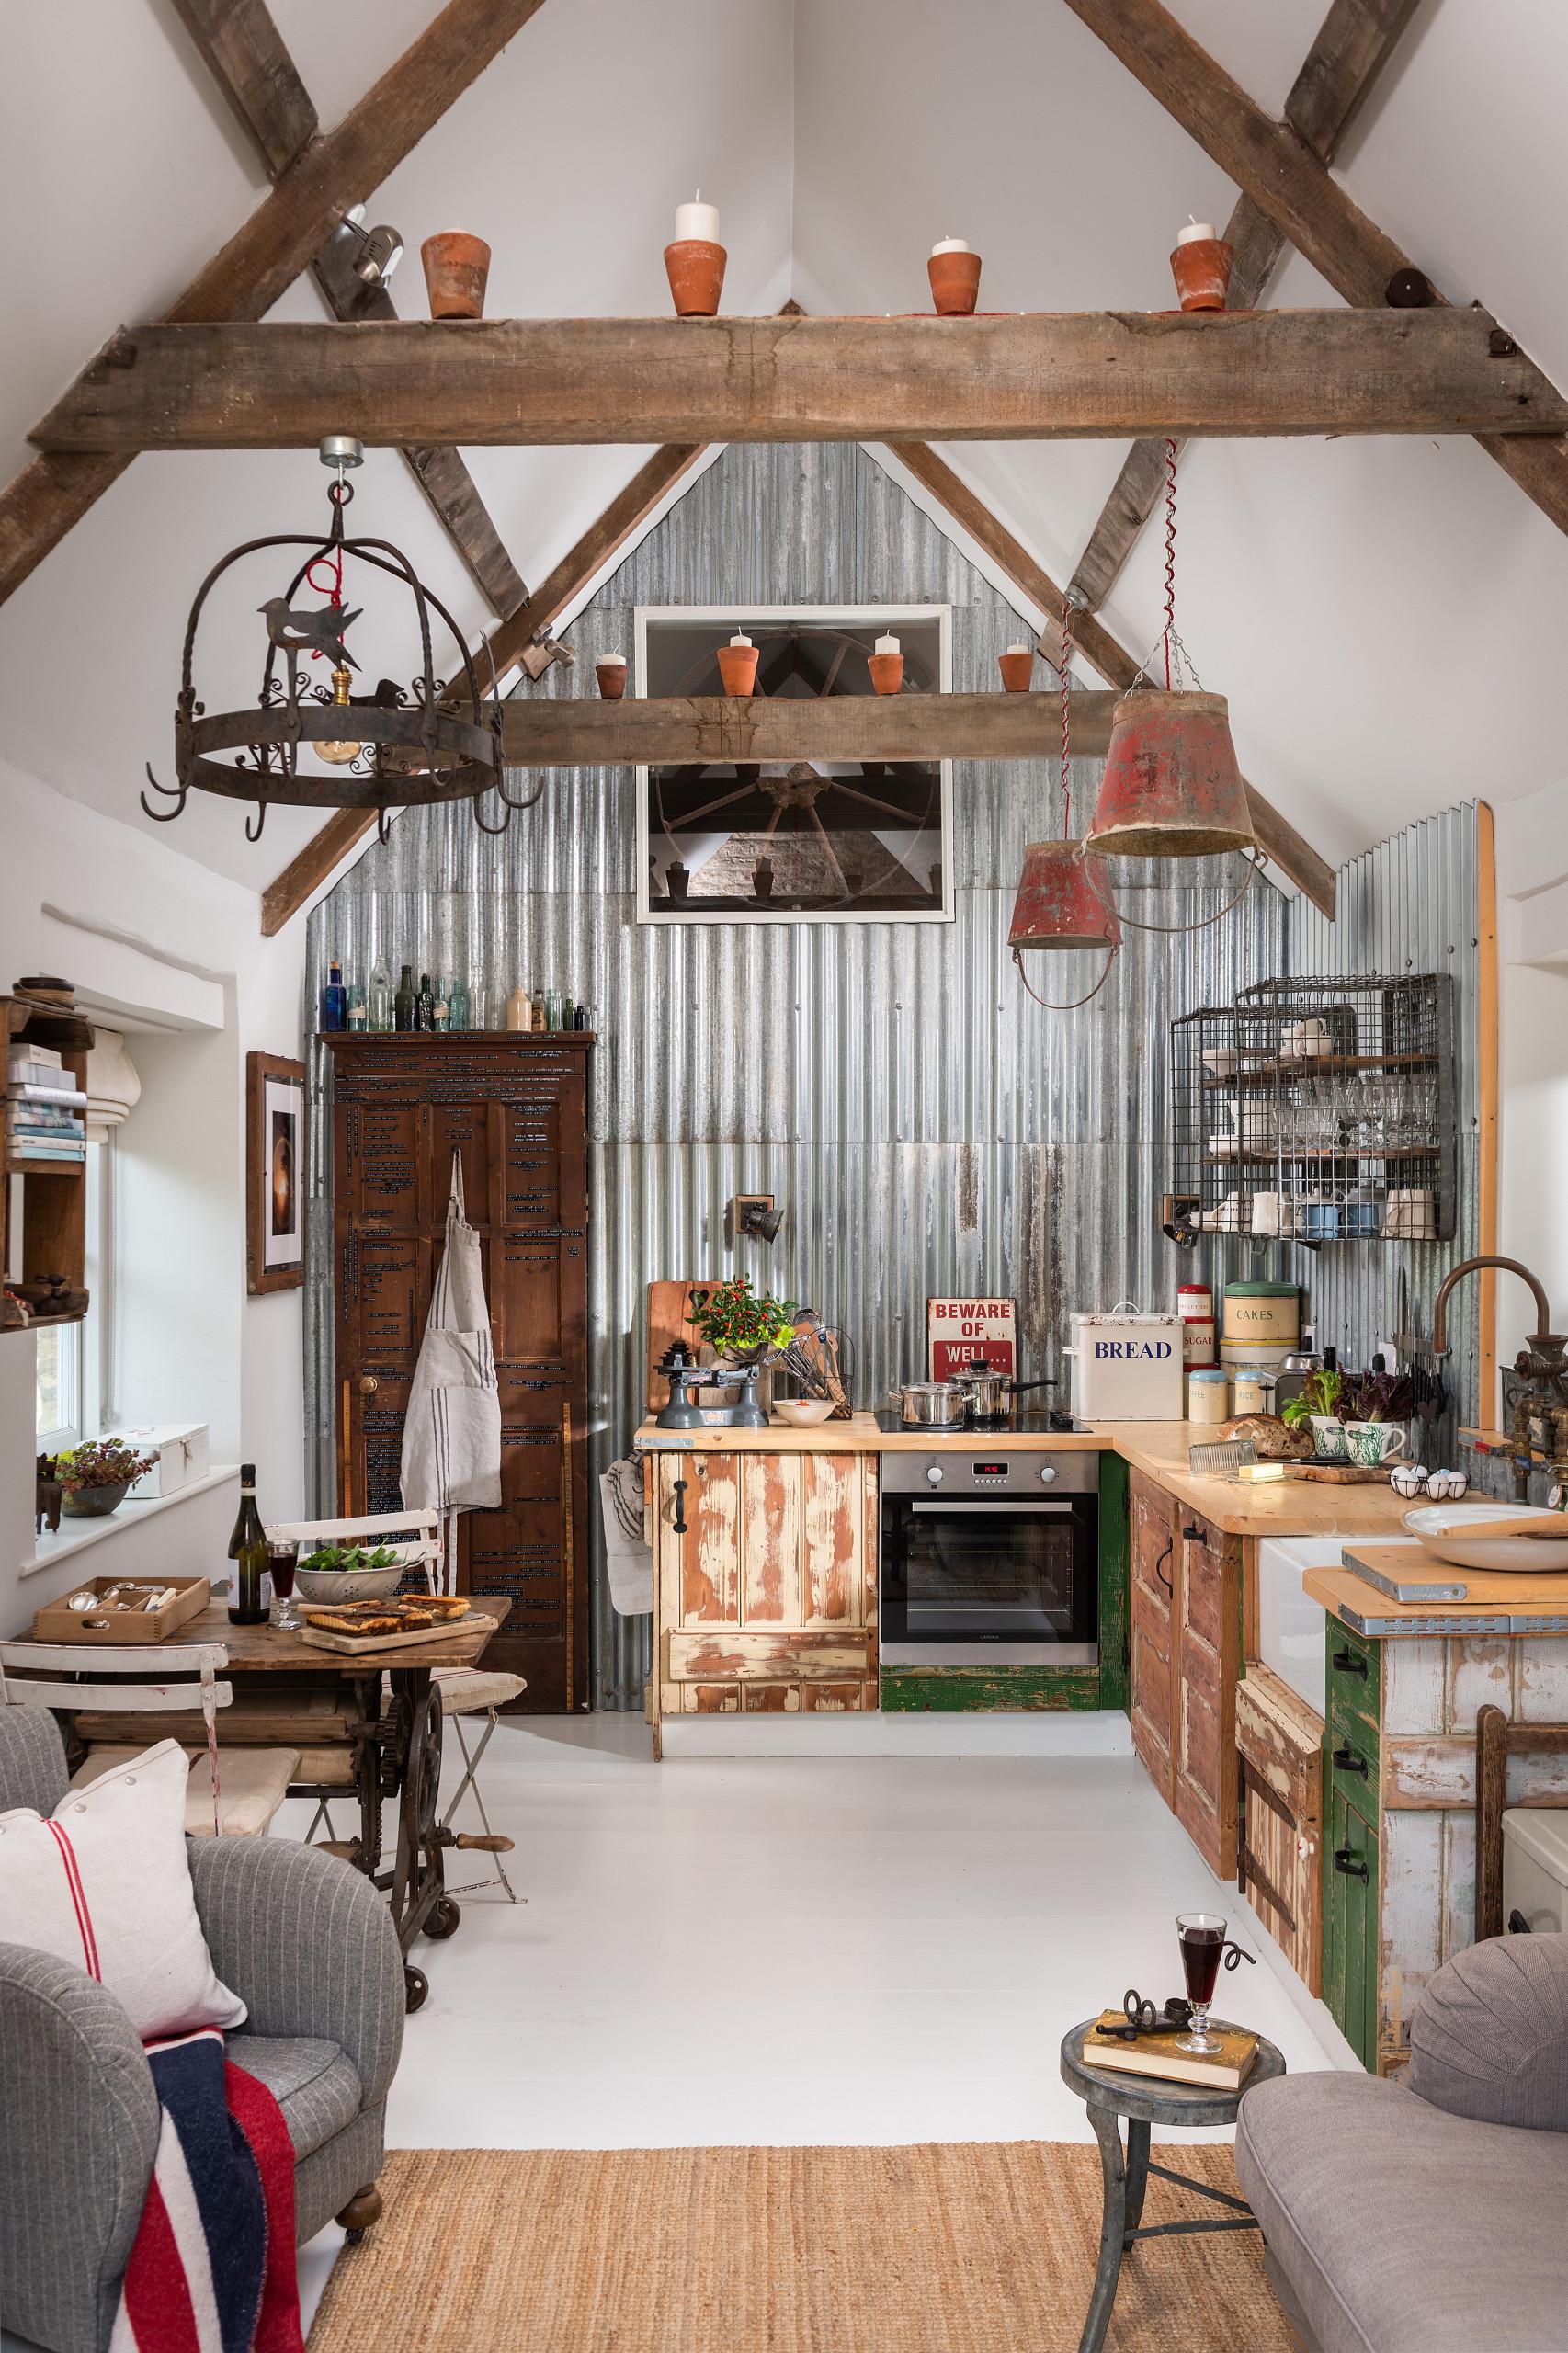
(467, 1690)
(251, 1785)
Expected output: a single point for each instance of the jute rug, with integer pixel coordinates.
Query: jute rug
(964, 2248)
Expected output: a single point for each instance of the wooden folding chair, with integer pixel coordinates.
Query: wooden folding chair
(238, 1798)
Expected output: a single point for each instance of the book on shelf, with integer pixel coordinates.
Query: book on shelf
(27, 1059)
(1156, 2054)
(46, 1148)
(38, 1116)
(27, 1091)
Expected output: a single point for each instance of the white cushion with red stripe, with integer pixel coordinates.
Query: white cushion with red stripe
(104, 1884)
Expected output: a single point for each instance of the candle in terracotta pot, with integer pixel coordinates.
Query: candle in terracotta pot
(737, 664)
(1201, 264)
(887, 665)
(739, 638)
(1016, 666)
(950, 246)
(610, 672)
(954, 272)
(694, 263)
(1195, 232)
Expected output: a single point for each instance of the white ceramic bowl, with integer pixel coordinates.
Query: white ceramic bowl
(803, 1413)
(1219, 1062)
(1457, 1532)
(347, 1585)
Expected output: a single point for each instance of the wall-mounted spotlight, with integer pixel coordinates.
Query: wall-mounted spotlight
(751, 1217)
(377, 251)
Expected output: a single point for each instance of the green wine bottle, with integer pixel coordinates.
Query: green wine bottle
(247, 1550)
(405, 1004)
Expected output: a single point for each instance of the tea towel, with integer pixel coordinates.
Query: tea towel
(451, 1431)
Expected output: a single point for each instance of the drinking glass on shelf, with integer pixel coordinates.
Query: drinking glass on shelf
(282, 1558)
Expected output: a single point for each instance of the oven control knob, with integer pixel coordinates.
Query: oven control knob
(1048, 1474)
(933, 1473)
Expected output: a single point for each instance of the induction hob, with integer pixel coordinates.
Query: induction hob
(1024, 1421)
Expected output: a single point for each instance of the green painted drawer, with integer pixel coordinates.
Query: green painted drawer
(1355, 1687)
(1351, 1927)
(1353, 1766)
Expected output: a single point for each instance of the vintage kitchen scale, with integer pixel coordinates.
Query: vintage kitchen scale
(688, 1380)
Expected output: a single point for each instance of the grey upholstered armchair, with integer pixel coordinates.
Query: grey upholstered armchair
(309, 1947)
(1427, 2217)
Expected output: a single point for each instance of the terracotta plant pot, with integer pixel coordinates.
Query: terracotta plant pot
(737, 668)
(1202, 272)
(887, 672)
(1016, 670)
(955, 283)
(612, 676)
(456, 268)
(696, 271)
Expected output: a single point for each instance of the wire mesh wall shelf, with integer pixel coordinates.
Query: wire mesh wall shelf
(1317, 1110)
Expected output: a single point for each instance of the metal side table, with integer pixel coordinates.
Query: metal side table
(1145, 2100)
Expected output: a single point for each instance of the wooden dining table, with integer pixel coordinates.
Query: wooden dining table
(396, 1742)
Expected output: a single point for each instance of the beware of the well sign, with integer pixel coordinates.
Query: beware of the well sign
(972, 1331)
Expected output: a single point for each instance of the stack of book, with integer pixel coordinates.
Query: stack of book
(45, 1109)
(1156, 2054)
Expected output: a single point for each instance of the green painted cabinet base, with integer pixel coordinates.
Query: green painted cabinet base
(1350, 1927)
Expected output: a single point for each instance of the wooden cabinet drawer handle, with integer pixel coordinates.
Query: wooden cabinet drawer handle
(1349, 1762)
(1345, 1862)
(1349, 1662)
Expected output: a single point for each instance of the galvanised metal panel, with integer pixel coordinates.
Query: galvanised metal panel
(926, 1128)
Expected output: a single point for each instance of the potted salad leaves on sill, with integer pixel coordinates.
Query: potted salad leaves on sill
(97, 1476)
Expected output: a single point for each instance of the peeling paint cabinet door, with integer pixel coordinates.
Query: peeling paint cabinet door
(1151, 1624)
(767, 1571)
(1204, 1671)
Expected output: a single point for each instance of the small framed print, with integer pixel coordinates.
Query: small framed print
(275, 1172)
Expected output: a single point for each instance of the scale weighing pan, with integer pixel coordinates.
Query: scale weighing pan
(1492, 1536)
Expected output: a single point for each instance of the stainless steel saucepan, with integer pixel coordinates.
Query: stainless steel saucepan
(932, 1405)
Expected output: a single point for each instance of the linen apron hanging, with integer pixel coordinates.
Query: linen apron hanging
(451, 1432)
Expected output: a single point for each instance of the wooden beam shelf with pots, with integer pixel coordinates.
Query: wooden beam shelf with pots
(45, 1198)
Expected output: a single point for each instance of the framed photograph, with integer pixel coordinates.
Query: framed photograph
(843, 841)
(275, 1172)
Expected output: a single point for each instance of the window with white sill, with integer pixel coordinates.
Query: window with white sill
(75, 1377)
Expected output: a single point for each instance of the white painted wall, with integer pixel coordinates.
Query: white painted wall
(138, 927)
(1532, 890)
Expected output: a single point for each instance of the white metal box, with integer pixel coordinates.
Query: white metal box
(1535, 1869)
(1126, 1366)
(181, 1454)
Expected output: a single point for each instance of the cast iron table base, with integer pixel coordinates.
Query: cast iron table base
(1145, 2100)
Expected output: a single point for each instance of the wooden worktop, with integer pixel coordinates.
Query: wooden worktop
(1294, 1508)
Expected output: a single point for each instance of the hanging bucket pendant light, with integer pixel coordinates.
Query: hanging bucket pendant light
(1060, 903)
(1172, 786)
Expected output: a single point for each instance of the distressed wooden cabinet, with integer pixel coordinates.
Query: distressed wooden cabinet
(512, 1107)
(1279, 1775)
(766, 1599)
(1185, 1663)
(1152, 1620)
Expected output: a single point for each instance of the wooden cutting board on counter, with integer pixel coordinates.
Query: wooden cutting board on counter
(1493, 1604)
(1325, 1474)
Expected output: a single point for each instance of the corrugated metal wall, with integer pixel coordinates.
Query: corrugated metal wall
(926, 1128)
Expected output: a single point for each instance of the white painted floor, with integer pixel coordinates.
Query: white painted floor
(860, 1949)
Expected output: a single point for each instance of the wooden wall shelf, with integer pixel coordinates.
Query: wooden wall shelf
(47, 1197)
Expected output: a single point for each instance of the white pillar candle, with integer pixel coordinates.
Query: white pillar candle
(740, 640)
(1020, 649)
(950, 246)
(1194, 232)
(697, 219)
(618, 659)
(887, 645)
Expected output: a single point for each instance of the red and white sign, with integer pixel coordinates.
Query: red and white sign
(972, 1331)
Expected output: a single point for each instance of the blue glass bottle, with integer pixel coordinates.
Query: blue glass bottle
(460, 1013)
(334, 999)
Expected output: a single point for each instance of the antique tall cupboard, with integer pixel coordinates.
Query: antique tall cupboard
(512, 1107)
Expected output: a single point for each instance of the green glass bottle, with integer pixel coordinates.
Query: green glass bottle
(405, 1005)
(247, 1549)
(425, 1017)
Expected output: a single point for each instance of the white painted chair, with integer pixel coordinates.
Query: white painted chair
(236, 1797)
(414, 1536)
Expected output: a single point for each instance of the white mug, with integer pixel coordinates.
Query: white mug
(1375, 1442)
(1329, 1438)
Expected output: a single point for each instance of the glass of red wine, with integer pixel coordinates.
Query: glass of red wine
(1202, 1939)
(282, 1557)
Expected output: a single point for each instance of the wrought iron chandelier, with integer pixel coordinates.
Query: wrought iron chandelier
(315, 742)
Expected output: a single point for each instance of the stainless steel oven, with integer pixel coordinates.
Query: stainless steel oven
(990, 1557)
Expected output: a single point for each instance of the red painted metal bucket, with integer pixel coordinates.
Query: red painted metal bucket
(1057, 905)
(1171, 787)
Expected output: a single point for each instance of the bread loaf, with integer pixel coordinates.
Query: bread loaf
(1275, 1440)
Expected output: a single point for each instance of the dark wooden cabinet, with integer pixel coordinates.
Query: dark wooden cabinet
(1152, 1619)
(513, 1109)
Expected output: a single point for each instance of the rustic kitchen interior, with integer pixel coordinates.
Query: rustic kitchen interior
(787, 1025)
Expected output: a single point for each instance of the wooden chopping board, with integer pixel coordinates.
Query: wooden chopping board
(1327, 1474)
(1491, 1598)
(320, 1638)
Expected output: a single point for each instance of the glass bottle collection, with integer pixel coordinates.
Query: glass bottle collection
(437, 1004)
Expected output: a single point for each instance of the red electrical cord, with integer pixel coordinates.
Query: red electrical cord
(1170, 554)
(330, 589)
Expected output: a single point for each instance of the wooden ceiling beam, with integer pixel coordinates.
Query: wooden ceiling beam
(1353, 43)
(257, 75)
(289, 226)
(565, 382)
(1276, 166)
(552, 731)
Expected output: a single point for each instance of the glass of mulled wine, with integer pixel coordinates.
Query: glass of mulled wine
(1202, 1939)
(282, 1557)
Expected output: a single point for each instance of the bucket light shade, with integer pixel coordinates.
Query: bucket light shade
(1057, 905)
(1171, 787)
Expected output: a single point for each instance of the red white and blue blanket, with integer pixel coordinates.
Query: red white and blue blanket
(212, 2267)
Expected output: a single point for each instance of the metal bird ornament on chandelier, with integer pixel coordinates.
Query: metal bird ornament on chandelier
(394, 746)
(1172, 786)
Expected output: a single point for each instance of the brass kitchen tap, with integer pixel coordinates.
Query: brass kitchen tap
(1544, 1358)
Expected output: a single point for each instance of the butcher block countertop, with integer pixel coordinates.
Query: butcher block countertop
(1294, 1508)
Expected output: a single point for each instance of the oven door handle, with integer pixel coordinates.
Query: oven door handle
(992, 1503)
